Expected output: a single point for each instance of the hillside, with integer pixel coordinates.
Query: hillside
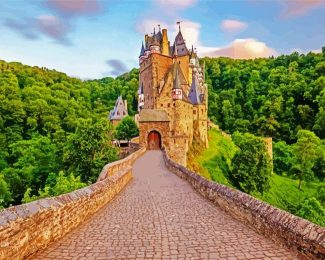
(54, 132)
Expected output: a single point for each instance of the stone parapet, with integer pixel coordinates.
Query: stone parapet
(282, 227)
(28, 228)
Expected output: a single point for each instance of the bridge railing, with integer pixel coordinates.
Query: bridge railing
(28, 228)
(296, 233)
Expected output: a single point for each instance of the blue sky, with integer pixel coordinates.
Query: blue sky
(93, 39)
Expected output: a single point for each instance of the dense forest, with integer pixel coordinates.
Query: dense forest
(54, 132)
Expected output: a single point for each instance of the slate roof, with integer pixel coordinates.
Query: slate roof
(153, 115)
(119, 111)
(194, 94)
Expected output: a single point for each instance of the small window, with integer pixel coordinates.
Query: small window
(194, 112)
(179, 62)
(168, 104)
(118, 113)
(161, 105)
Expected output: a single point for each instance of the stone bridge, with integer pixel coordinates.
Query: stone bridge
(160, 216)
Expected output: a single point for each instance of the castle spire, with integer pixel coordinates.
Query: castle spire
(142, 50)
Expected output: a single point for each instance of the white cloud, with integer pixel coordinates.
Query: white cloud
(239, 49)
(181, 4)
(146, 26)
(233, 26)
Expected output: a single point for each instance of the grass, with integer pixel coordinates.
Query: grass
(214, 163)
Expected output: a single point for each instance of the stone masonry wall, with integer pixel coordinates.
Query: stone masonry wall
(282, 227)
(28, 228)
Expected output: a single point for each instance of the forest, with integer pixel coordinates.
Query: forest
(54, 129)
(54, 132)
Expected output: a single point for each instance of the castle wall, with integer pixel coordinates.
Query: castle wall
(280, 226)
(28, 228)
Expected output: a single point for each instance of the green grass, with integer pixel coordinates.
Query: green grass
(214, 163)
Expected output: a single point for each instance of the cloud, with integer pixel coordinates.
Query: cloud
(300, 7)
(74, 7)
(53, 27)
(23, 27)
(48, 25)
(190, 30)
(146, 26)
(239, 49)
(180, 4)
(118, 67)
(233, 26)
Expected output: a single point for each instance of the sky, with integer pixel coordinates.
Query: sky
(92, 39)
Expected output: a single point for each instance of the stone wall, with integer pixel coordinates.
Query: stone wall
(28, 228)
(282, 227)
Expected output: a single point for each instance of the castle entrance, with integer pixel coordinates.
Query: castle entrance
(154, 141)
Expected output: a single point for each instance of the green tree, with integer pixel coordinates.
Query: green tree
(126, 129)
(5, 194)
(312, 210)
(305, 154)
(251, 164)
(89, 149)
(282, 157)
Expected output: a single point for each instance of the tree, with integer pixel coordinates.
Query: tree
(305, 154)
(89, 149)
(126, 129)
(251, 164)
(312, 210)
(5, 194)
(282, 157)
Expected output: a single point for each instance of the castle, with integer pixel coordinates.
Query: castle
(172, 96)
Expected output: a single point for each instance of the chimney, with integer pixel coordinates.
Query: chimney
(165, 43)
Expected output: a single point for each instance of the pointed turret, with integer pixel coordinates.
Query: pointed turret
(179, 44)
(142, 50)
(194, 94)
(177, 92)
(154, 45)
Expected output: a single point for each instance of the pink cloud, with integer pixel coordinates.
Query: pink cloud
(181, 4)
(75, 6)
(239, 49)
(52, 26)
(300, 7)
(233, 26)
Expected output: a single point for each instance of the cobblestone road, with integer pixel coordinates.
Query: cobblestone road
(159, 216)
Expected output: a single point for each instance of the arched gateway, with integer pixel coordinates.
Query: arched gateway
(154, 141)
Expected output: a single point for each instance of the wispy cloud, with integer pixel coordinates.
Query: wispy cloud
(74, 7)
(233, 26)
(300, 7)
(118, 67)
(46, 25)
(23, 27)
(54, 27)
(181, 4)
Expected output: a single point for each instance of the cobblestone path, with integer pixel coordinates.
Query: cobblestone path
(160, 216)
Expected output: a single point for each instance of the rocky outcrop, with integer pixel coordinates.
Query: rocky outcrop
(28, 228)
(282, 227)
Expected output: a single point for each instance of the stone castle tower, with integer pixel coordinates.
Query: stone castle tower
(173, 98)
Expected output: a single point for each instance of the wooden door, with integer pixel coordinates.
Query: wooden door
(154, 141)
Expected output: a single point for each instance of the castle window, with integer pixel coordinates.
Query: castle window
(161, 105)
(168, 104)
(202, 110)
(118, 113)
(179, 62)
(194, 112)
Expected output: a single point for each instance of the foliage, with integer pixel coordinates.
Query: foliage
(282, 157)
(44, 114)
(273, 97)
(305, 155)
(126, 129)
(313, 210)
(283, 192)
(251, 164)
